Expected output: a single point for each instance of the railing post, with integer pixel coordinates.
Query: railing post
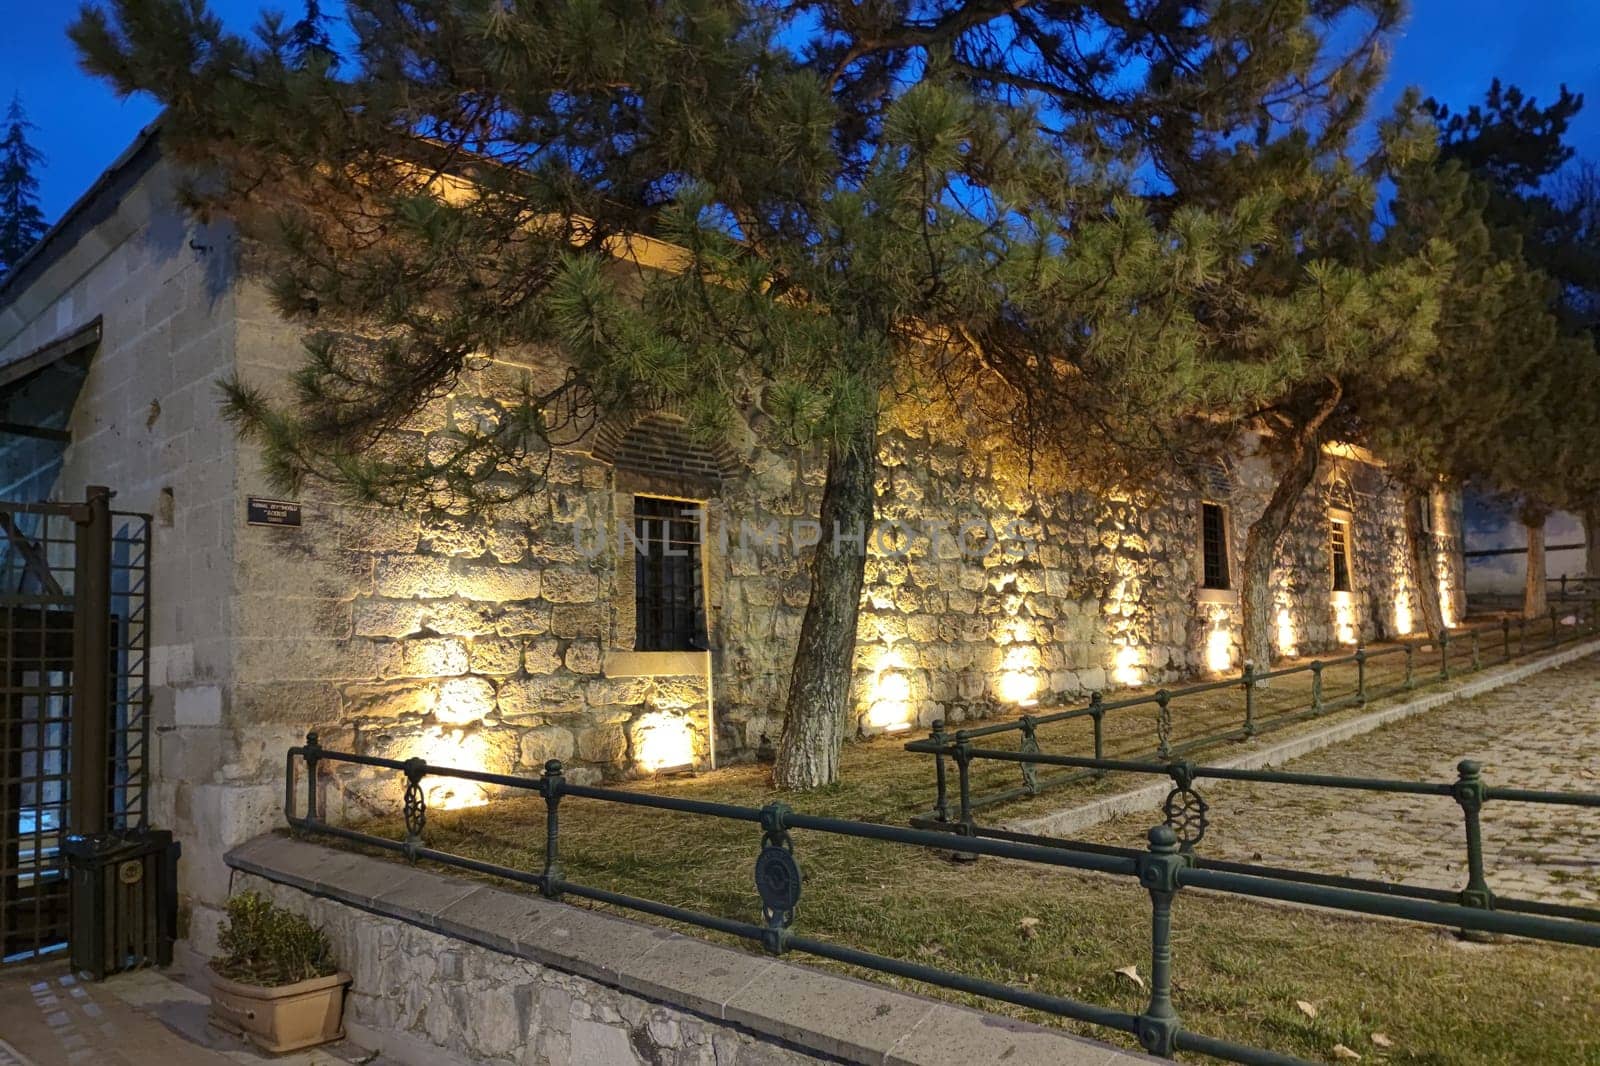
(1361, 676)
(941, 794)
(1029, 743)
(1477, 649)
(777, 878)
(1505, 633)
(312, 756)
(1468, 791)
(966, 826)
(1316, 686)
(1411, 666)
(90, 722)
(1163, 724)
(1555, 631)
(416, 805)
(1444, 655)
(1563, 593)
(1248, 679)
(1157, 1027)
(550, 785)
(1097, 715)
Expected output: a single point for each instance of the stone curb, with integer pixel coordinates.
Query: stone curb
(1146, 797)
(823, 1014)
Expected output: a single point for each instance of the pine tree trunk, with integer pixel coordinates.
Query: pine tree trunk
(1534, 603)
(1261, 551)
(1591, 541)
(1424, 567)
(1266, 533)
(819, 687)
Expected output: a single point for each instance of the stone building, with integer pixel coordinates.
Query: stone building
(548, 633)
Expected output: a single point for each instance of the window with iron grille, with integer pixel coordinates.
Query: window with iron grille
(1214, 546)
(1339, 552)
(668, 601)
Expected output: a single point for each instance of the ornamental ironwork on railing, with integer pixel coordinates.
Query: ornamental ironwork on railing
(1426, 661)
(1163, 869)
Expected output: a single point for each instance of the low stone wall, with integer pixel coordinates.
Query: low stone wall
(447, 967)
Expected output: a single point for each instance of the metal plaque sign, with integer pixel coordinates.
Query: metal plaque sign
(259, 512)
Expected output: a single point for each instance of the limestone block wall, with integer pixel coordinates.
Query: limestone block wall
(145, 424)
(505, 643)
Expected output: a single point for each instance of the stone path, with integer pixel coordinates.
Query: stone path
(50, 1018)
(1543, 733)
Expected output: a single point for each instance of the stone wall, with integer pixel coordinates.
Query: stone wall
(508, 643)
(145, 423)
(446, 968)
(503, 644)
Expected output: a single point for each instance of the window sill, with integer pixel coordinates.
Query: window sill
(622, 663)
(1225, 596)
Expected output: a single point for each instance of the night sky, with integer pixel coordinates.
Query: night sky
(1451, 48)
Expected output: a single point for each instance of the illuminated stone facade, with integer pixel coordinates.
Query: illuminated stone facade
(505, 644)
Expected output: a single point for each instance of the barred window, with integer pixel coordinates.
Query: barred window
(1339, 553)
(668, 598)
(1214, 546)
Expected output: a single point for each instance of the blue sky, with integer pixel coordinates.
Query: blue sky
(1451, 48)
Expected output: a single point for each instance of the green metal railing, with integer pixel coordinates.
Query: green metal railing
(1163, 870)
(1455, 652)
(1187, 813)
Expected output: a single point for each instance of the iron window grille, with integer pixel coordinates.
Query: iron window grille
(669, 600)
(1214, 546)
(1339, 552)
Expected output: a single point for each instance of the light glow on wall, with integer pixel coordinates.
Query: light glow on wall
(1125, 666)
(665, 742)
(1344, 620)
(889, 694)
(1219, 643)
(463, 701)
(458, 749)
(1447, 598)
(1019, 679)
(1288, 642)
(1402, 614)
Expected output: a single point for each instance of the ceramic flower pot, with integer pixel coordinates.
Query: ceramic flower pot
(284, 1018)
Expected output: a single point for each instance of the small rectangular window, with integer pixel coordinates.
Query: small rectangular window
(1339, 552)
(1214, 546)
(668, 600)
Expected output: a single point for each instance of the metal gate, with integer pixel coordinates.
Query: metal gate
(74, 700)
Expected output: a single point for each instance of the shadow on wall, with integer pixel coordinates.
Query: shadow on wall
(1490, 524)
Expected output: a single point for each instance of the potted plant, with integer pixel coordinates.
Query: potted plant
(276, 983)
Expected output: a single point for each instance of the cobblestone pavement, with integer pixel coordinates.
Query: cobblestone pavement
(1543, 733)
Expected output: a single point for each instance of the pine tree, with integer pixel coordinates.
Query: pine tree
(21, 221)
(867, 200)
(1517, 150)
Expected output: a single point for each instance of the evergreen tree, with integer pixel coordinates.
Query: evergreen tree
(21, 221)
(1518, 149)
(865, 201)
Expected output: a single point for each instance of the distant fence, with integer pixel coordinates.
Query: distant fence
(1162, 870)
(1458, 651)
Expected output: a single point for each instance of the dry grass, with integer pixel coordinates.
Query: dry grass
(1240, 966)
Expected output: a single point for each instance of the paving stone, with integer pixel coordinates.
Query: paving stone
(839, 1016)
(586, 943)
(495, 917)
(420, 897)
(1536, 734)
(954, 1034)
(692, 973)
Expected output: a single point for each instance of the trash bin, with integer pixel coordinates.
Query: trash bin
(124, 900)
